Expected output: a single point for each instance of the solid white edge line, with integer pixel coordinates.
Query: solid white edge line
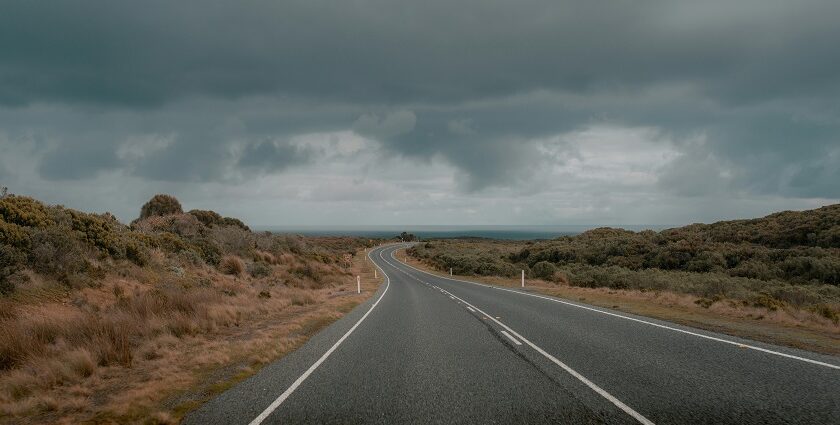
(603, 393)
(277, 402)
(751, 347)
(511, 338)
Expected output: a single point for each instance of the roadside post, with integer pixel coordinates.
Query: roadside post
(450, 271)
(359, 284)
(523, 278)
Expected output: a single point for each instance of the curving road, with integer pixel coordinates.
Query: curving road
(427, 349)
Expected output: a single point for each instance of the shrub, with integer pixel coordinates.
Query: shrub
(232, 264)
(209, 250)
(543, 270)
(13, 235)
(24, 211)
(230, 221)
(233, 240)
(208, 218)
(12, 262)
(259, 269)
(160, 205)
(56, 252)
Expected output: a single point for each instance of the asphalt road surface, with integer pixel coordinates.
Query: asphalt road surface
(426, 349)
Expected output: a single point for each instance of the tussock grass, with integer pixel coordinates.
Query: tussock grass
(232, 264)
(130, 315)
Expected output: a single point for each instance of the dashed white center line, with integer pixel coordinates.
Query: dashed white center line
(471, 309)
(511, 338)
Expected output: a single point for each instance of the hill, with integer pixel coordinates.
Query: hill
(113, 323)
(788, 260)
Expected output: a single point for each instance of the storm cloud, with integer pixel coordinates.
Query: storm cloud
(486, 111)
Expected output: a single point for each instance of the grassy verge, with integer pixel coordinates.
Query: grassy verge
(275, 339)
(783, 326)
(149, 344)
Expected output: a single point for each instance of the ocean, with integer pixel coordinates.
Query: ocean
(522, 232)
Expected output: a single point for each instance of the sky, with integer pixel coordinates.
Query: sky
(384, 112)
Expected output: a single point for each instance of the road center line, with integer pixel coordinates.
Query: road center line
(699, 335)
(276, 403)
(511, 338)
(603, 393)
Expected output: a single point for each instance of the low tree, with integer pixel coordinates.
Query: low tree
(160, 205)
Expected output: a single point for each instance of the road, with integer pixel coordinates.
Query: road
(427, 349)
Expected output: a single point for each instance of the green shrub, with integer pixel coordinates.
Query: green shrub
(137, 252)
(160, 205)
(543, 270)
(24, 211)
(12, 262)
(13, 235)
(208, 218)
(209, 250)
(229, 221)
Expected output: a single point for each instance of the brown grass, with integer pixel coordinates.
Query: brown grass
(148, 345)
(232, 265)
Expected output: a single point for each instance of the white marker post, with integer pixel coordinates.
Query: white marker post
(374, 274)
(523, 278)
(450, 271)
(359, 284)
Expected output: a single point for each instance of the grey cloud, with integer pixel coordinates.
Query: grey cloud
(390, 125)
(78, 159)
(469, 83)
(438, 51)
(271, 156)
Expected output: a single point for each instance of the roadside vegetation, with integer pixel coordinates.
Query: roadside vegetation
(113, 323)
(785, 262)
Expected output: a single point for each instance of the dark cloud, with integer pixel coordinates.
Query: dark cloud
(270, 156)
(73, 160)
(382, 51)
(212, 91)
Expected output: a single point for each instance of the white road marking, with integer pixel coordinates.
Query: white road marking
(276, 403)
(471, 309)
(627, 409)
(511, 338)
(752, 347)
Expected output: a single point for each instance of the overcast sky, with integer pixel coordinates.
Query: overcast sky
(424, 112)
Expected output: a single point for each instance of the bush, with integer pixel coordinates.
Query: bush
(160, 205)
(230, 221)
(233, 240)
(24, 211)
(259, 269)
(56, 252)
(209, 250)
(208, 218)
(12, 262)
(232, 264)
(543, 270)
(13, 235)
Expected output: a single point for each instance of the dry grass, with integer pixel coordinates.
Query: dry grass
(782, 325)
(149, 343)
(232, 265)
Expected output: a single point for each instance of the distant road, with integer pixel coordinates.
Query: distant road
(426, 349)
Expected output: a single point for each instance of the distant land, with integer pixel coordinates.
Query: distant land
(509, 232)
